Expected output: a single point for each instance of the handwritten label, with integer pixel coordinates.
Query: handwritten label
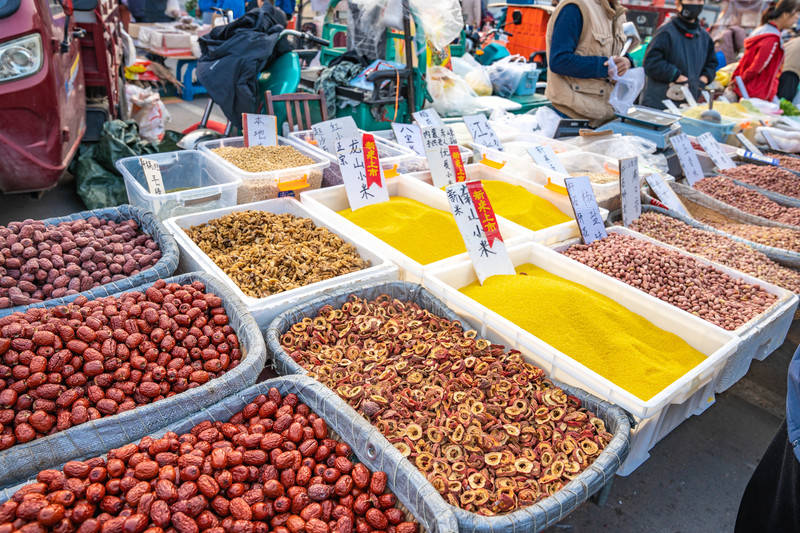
(329, 133)
(545, 157)
(361, 171)
(630, 190)
(584, 205)
(688, 95)
(152, 173)
(445, 165)
(665, 193)
(747, 144)
(482, 133)
(669, 104)
(478, 225)
(259, 130)
(687, 158)
(428, 117)
(435, 136)
(757, 158)
(710, 145)
(410, 136)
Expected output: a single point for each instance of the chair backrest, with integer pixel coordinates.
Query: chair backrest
(295, 109)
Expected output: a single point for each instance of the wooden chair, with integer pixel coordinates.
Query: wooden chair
(291, 112)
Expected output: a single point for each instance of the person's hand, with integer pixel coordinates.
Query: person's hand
(681, 79)
(623, 64)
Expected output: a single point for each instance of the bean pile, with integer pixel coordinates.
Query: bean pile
(66, 365)
(786, 161)
(39, 262)
(676, 279)
(266, 253)
(749, 201)
(717, 248)
(767, 177)
(487, 429)
(272, 467)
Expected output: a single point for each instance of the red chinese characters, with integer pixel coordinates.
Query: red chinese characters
(372, 164)
(485, 212)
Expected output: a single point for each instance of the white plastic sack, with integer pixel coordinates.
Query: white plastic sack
(441, 20)
(627, 89)
(787, 141)
(543, 122)
(149, 112)
(507, 73)
(451, 94)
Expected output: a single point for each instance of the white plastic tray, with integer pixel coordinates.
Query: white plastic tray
(325, 203)
(390, 153)
(688, 395)
(266, 309)
(551, 235)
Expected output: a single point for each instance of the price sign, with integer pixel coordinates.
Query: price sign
(446, 165)
(757, 158)
(477, 223)
(329, 133)
(750, 146)
(482, 133)
(665, 193)
(584, 205)
(545, 157)
(630, 190)
(770, 139)
(688, 95)
(669, 104)
(361, 171)
(410, 136)
(710, 145)
(152, 173)
(259, 130)
(428, 117)
(687, 158)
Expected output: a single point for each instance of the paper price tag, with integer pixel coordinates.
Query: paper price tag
(584, 205)
(482, 133)
(706, 96)
(742, 88)
(152, 173)
(428, 117)
(329, 133)
(770, 140)
(669, 104)
(410, 136)
(259, 130)
(757, 158)
(544, 156)
(747, 144)
(688, 95)
(630, 190)
(687, 158)
(433, 136)
(665, 193)
(478, 225)
(710, 145)
(446, 165)
(361, 171)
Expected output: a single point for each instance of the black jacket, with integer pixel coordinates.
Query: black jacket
(235, 54)
(677, 48)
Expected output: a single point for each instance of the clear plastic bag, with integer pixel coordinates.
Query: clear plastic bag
(626, 89)
(507, 73)
(473, 73)
(451, 94)
(441, 20)
(149, 112)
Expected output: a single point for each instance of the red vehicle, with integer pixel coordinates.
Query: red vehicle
(51, 51)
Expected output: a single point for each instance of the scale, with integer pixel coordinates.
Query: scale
(651, 124)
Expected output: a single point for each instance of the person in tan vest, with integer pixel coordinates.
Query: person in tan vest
(583, 37)
(790, 77)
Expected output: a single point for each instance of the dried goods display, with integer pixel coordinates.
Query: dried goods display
(590, 328)
(767, 177)
(272, 467)
(423, 233)
(676, 279)
(718, 248)
(266, 253)
(70, 364)
(263, 158)
(519, 205)
(748, 200)
(488, 430)
(786, 161)
(40, 261)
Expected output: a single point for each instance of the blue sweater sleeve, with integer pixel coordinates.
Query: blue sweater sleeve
(563, 59)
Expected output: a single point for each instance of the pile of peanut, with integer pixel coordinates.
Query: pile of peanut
(676, 279)
(749, 201)
(717, 248)
(786, 161)
(767, 177)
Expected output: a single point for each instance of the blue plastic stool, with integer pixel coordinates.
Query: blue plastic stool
(190, 89)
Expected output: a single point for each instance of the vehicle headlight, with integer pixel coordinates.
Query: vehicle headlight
(21, 57)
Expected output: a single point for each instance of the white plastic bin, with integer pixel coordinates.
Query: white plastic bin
(258, 186)
(264, 310)
(326, 203)
(690, 394)
(551, 235)
(201, 184)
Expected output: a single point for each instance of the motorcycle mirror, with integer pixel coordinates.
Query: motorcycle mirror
(516, 17)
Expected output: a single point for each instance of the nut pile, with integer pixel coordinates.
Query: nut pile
(749, 201)
(66, 365)
(786, 161)
(487, 429)
(767, 177)
(39, 261)
(675, 278)
(266, 253)
(272, 467)
(717, 248)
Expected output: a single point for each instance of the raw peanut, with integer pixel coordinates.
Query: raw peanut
(748, 200)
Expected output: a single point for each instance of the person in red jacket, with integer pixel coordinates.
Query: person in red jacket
(761, 63)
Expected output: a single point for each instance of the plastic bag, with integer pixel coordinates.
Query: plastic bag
(543, 122)
(507, 73)
(451, 94)
(627, 89)
(149, 112)
(473, 73)
(441, 20)
(785, 141)
(368, 22)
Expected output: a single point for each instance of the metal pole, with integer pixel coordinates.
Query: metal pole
(409, 57)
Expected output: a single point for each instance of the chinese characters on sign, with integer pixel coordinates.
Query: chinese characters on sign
(665, 193)
(152, 173)
(444, 159)
(711, 147)
(687, 158)
(328, 133)
(630, 189)
(477, 223)
(361, 171)
(545, 157)
(259, 130)
(744, 141)
(410, 136)
(584, 205)
(482, 133)
(428, 117)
